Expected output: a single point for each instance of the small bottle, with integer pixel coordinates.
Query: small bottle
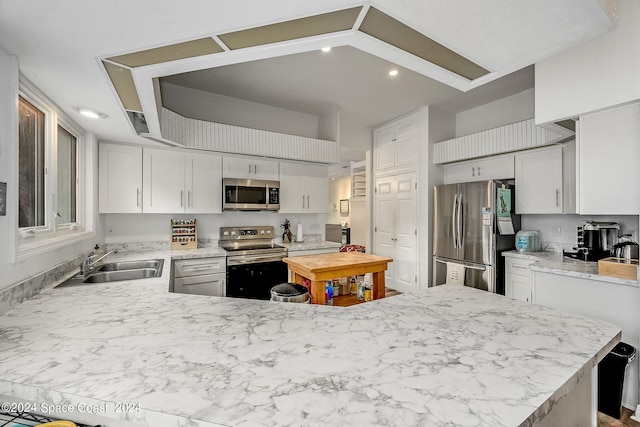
(361, 291)
(354, 285)
(328, 292)
(367, 287)
(367, 292)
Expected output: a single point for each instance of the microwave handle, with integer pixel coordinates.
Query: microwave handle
(267, 196)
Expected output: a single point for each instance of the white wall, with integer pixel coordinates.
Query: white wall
(12, 272)
(511, 109)
(437, 126)
(155, 227)
(339, 188)
(356, 136)
(568, 227)
(594, 75)
(201, 105)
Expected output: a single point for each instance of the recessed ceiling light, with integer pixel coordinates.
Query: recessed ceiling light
(393, 73)
(326, 49)
(88, 112)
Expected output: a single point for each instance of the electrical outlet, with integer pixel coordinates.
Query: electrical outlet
(556, 231)
(110, 230)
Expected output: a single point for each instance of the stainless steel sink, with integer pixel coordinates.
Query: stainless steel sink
(115, 276)
(119, 271)
(133, 265)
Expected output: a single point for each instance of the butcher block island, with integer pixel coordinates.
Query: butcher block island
(322, 267)
(131, 353)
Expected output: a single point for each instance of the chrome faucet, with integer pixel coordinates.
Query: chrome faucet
(88, 264)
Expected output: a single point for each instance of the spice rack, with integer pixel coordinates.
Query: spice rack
(184, 234)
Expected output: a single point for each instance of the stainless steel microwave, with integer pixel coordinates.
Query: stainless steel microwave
(250, 195)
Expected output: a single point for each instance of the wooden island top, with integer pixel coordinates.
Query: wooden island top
(319, 268)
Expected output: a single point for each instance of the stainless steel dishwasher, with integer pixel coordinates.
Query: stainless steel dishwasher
(200, 276)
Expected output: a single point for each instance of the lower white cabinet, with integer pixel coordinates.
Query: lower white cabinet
(200, 276)
(495, 167)
(517, 279)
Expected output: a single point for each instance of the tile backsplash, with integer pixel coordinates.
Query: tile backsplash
(566, 239)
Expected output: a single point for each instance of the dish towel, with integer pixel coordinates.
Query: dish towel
(455, 274)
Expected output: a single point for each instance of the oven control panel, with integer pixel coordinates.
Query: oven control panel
(242, 233)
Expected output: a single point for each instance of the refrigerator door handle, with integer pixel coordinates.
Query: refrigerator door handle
(454, 222)
(459, 231)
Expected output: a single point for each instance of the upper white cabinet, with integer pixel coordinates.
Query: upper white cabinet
(539, 185)
(396, 144)
(120, 178)
(569, 177)
(249, 168)
(203, 183)
(497, 167)
(179, 182)
(304, 188)
(608, 151)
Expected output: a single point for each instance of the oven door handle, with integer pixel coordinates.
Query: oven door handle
(253, 259)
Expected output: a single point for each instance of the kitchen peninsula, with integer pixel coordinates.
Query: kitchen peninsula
(449, 355)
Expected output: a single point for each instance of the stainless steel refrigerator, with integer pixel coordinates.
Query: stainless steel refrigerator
(474, 223)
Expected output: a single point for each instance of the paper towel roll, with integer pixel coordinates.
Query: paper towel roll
(299, 236)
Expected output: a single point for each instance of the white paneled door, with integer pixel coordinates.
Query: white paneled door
(395, 231)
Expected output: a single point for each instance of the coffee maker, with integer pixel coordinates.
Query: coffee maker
(595, 240)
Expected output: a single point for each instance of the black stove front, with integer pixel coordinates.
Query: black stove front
(254, 263)
(255, 280)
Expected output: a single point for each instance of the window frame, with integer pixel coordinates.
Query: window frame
(38, 239)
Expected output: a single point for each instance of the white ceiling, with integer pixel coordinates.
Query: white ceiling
(59, 47)
(315, 82)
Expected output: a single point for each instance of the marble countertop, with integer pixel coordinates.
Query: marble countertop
(554, 262)
(445, 356)
(310, 245)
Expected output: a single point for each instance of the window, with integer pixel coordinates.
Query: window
(67, 171)
(50, 208)
(31, 165)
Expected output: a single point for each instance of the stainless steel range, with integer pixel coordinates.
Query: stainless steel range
(254, 261)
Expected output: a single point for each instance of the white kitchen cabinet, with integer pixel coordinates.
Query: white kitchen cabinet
(569, 179)
(181, 182)
(120, 178)
(539, 185)
(200, 276)
(517, 279)
(495, 167)
(396, 228)
(304, 188)
(396, 144)
(249, 168)
(608, 150)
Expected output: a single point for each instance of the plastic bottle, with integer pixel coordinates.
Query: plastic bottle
(328, 292)
(361, 290)
(354, 285)
(367, 287)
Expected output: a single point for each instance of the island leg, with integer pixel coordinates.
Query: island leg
(378, 285)
(317, 293)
